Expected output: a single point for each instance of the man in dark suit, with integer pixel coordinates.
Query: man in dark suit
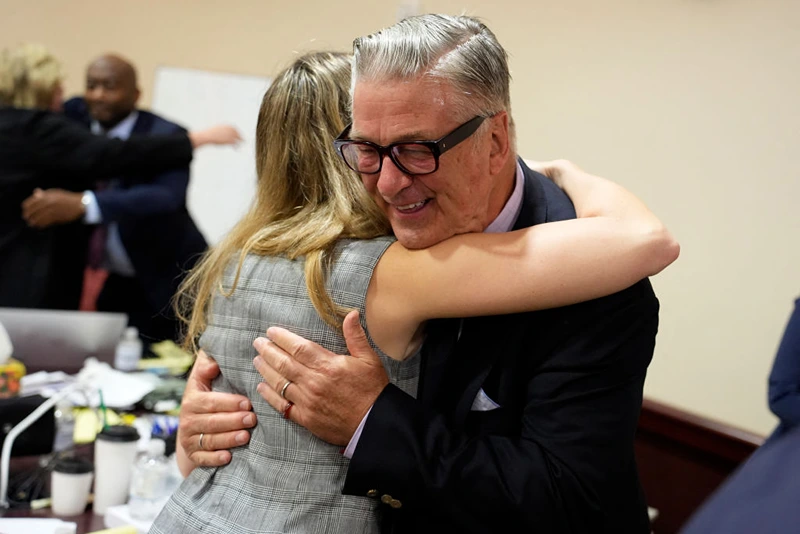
(144, 234)
(523, 423)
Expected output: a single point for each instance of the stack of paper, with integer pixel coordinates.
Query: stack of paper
(120, 390)
(30, 525)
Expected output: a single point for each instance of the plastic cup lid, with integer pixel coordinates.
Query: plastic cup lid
(73, 466)
(120, 433)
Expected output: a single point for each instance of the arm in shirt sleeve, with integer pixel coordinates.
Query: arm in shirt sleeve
(164, 194)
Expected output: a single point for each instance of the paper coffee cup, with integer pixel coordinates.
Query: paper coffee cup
(70, 483)
(114, 455)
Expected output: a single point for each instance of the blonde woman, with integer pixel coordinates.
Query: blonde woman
(314, 246)
(39, 148)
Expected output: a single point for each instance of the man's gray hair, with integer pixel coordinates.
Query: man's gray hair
(459, 50)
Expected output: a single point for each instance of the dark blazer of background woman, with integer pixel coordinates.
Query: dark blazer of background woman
(44, 149)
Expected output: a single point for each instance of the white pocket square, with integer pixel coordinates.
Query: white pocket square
(483, 403)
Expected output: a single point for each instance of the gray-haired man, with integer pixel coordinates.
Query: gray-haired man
(523, 422)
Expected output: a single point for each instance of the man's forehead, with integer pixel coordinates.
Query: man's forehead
(395, 133)
(399, 110)
(112, 68)
(104, 71)
(418, 91)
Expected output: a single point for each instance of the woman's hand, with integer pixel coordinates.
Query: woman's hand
(555, 170)
(221, 134)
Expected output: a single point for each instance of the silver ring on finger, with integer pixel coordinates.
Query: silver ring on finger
(201, 441)
(283, 389)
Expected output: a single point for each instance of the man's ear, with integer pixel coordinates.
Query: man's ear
(136, 96)
(500, 142)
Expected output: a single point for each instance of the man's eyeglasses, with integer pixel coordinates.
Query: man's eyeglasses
(411, 157)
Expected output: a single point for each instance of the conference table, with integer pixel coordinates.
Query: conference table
(86, 522)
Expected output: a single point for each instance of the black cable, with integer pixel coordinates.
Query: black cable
(30, 485)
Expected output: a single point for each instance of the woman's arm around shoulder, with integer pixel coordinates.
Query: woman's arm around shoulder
(615, 242)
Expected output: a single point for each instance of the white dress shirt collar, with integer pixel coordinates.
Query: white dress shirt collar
(122, 130)
(508, 215)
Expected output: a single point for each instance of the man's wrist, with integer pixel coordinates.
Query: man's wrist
(197, 138)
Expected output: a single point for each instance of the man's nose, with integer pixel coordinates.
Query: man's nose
(95, 93)
(391, 180)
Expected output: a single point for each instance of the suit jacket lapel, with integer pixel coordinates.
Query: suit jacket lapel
(476, 357)
(142, 126)
(472, 364)
(534, 203)
(453, 369)
(144, 123)
(440, 342)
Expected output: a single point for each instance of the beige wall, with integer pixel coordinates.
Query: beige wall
(692, 104)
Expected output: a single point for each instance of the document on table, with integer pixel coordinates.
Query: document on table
(31, 525)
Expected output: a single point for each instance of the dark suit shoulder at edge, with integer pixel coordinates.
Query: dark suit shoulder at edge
(160, 123)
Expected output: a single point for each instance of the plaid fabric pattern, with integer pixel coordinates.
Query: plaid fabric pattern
(285, 480)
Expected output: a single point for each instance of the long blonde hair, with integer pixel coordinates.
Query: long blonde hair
(306, 197)
(29, 77)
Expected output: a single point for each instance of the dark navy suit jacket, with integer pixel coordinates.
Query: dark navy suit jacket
(761, 497)
(159, 236)
(557, 455)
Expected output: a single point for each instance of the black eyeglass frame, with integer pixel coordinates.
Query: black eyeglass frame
(437, 148)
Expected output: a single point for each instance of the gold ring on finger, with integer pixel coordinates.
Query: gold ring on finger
(283, 389)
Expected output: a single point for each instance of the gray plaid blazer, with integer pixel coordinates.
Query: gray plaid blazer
(284, 480)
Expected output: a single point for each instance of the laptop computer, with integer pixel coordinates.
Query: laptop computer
(58, 340)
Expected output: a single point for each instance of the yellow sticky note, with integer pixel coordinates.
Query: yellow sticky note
(88, 422)
(171, 358)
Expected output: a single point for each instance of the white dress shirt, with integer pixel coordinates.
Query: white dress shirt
(116, 258)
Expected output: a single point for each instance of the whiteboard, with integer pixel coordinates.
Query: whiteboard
(223, 179)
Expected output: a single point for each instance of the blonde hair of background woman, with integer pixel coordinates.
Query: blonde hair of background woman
(306, 197)
(29, 77)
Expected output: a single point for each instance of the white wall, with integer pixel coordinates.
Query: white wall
(692, 104)
(223, 181)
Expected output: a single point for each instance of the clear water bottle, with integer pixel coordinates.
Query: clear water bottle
(129, 350)
(149, 482)
(65, 426)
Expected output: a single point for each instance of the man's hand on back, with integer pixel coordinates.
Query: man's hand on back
(330, 394)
